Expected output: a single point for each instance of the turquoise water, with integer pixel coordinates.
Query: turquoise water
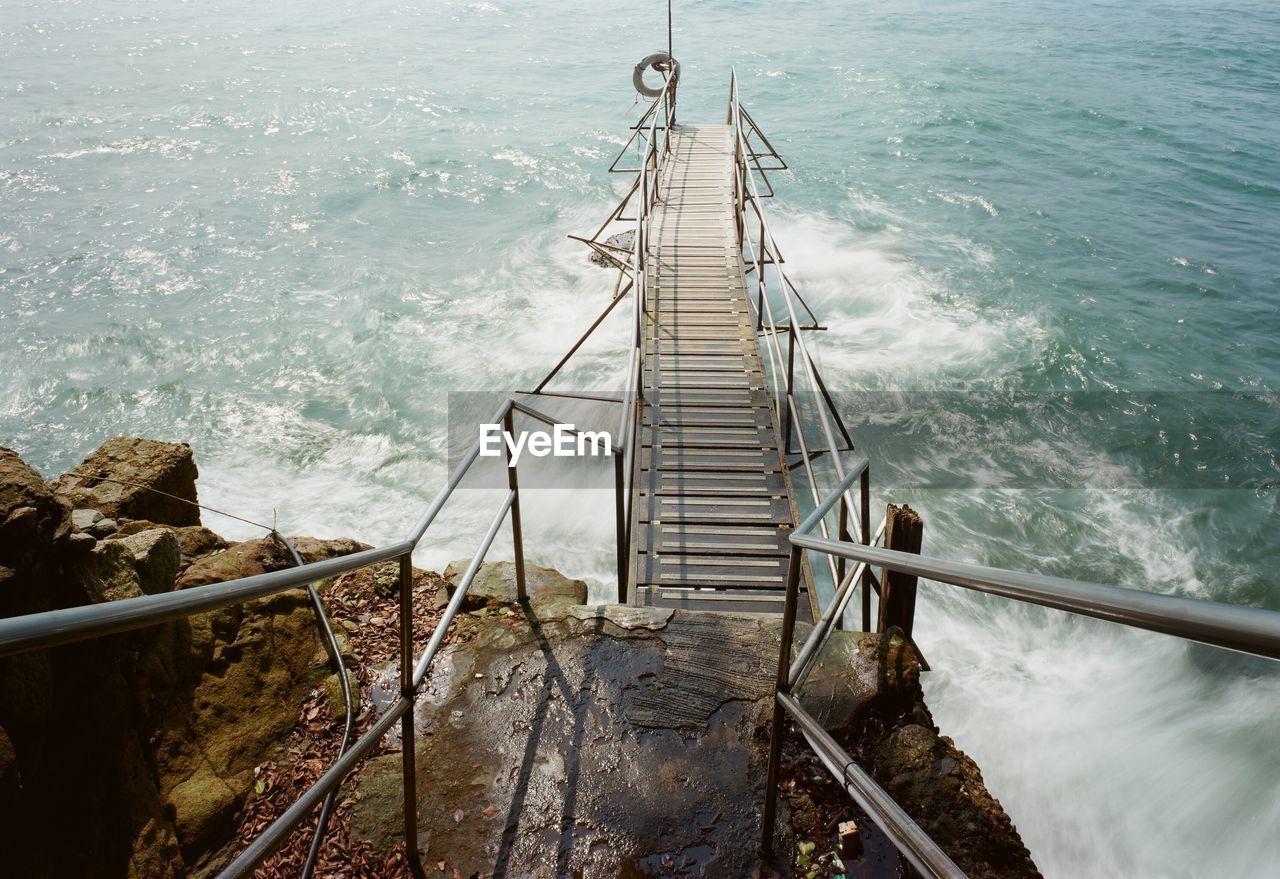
(1042, 234)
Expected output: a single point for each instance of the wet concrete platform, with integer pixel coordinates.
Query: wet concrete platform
(608, 741)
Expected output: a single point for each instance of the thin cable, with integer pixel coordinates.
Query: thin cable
(174, 497)
(331, 647)
(335, 654)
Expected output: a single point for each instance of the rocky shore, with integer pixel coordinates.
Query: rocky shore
(554, 738)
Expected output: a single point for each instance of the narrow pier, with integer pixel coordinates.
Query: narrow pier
(715, 505)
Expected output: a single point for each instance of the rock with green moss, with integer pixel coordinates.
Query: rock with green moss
(108, 572)
(155, 853)
(193, 540)
(248, 670)
(333, 694)
(316, 549)
(244, 559)
(157, 731)
(204, 808)
(251, 557)
(253, 667)
(138, 564)
(495, 585)
(156, 555)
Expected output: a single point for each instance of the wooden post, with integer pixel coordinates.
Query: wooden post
(903, 530)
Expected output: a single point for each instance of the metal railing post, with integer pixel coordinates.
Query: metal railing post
(842, 533)
(517, 536)
(760, 281)
(864, 500)
(623, 550)
(408, 758)
(791, 383)
(781, 685)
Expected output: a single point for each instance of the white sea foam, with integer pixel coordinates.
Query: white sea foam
(1069, 719)
(893, 323)
(306, 349)
(1097, 736)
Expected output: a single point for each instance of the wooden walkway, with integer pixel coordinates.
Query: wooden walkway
(715, 505)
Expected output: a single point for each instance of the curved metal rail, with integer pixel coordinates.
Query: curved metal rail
(647, 182)
(764, 257)
(655, 124)
(1250, 630)
(69, 625)
(325, 625)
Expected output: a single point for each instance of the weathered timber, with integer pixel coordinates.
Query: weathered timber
(903, 531)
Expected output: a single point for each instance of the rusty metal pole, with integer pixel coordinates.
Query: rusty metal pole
(517, 537)
(407, 690)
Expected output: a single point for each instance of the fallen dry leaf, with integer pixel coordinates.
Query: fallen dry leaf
(313, 745)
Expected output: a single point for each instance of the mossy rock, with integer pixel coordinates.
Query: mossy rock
(205, 808)
(333, 693)
(150, 480)
(495, 585)
(156, 556)
(108, 572)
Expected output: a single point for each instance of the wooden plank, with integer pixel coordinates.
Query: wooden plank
(675, 537)
(720, 460)
(708, 397)
(720, 600)
(710, 483)
(694, 416)
(722, 510)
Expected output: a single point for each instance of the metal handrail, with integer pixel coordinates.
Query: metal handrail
(647, 186)
(69, 625)
(762, 252)
(654, 129)
(1251, 630)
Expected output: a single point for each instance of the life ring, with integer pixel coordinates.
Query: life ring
(637, 77)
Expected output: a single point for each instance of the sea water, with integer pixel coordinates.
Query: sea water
(1042, 234)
